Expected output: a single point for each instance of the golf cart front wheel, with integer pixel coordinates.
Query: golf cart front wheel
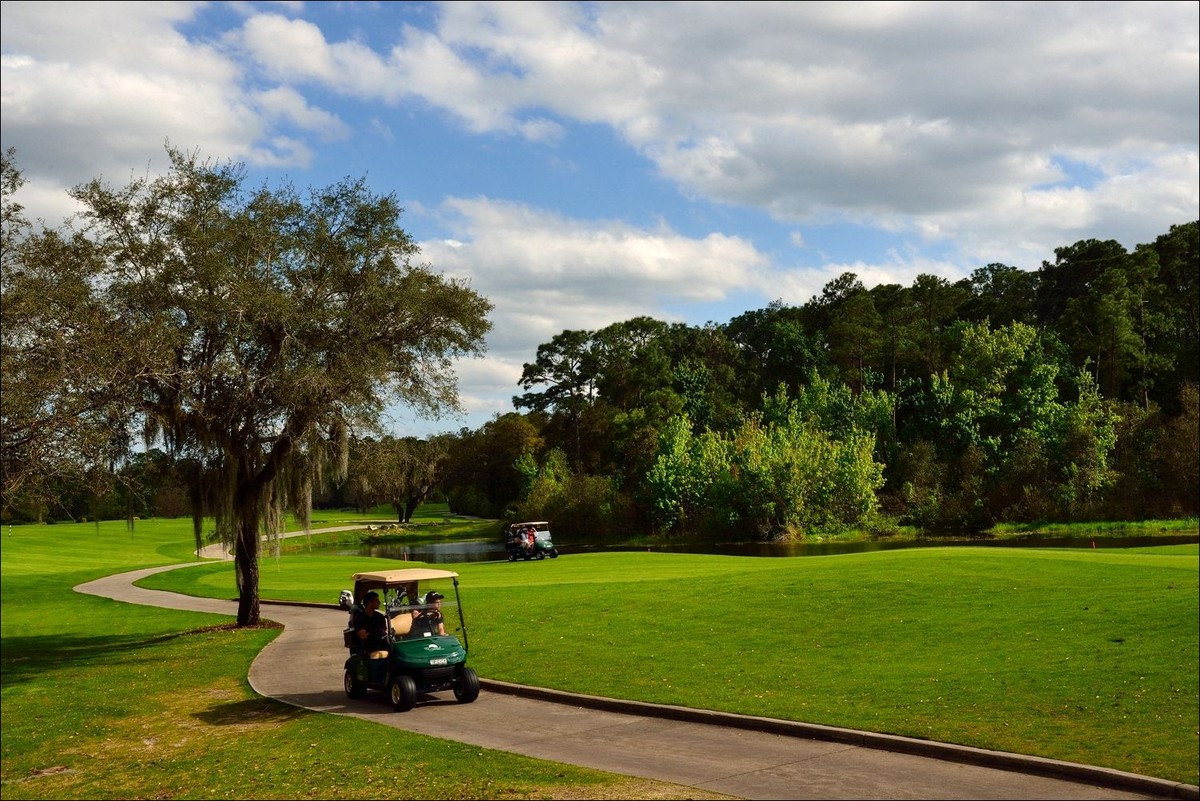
(354, 687)
(403, 692)
(466, 685)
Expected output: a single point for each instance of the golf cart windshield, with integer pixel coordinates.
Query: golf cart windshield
(541, 528)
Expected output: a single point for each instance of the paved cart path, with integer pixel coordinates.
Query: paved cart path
(735, 755)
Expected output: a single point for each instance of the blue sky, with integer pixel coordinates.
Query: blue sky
(585, 163)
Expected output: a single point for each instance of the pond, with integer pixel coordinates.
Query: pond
(488, 551)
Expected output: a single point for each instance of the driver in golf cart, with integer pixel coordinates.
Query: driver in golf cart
(427, 621)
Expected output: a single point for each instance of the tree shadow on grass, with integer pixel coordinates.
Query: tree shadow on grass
(27, 658)
(253, 711)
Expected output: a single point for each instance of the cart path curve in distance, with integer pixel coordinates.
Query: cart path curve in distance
(746, 757)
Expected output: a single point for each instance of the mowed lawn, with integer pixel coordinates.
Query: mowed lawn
(110, 700)
(1085, 655)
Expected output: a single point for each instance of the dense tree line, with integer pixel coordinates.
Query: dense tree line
(1061, 394)
(1068, 393)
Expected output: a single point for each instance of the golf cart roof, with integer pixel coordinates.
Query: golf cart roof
(531, 523)
(388, 578)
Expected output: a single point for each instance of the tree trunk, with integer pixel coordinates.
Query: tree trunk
(246, 497)
(246, 561)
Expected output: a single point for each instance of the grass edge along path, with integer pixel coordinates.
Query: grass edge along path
(110, 700)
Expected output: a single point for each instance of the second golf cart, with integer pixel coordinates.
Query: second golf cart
(529, 540)
(416, 656)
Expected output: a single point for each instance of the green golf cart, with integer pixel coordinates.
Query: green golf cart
(420, 656)
(529, 540)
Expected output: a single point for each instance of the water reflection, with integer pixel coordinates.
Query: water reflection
(487, 551)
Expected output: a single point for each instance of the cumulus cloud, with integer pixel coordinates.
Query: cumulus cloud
(962, 133)
(945, 121)
(888, 114)
(97, 89)
(546, 273)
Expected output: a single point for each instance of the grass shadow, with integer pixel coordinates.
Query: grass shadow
(258, 711)
(32, 657)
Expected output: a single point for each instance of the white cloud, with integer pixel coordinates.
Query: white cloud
(985, 131)
(924, 117)
(546, 273)
(97, 89)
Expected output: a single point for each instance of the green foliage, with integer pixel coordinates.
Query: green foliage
(400, 471)
(779, 475)
(580, 506)
(1024, 435)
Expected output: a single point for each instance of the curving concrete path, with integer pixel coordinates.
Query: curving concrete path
(736, 755)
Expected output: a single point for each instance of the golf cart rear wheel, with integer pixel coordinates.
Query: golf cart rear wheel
(466, 685)
(403, 692)
(541, 554)
(354, 687)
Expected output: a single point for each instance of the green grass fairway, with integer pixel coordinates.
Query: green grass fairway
(1077, 654)
(104, 700)
(1085, 655)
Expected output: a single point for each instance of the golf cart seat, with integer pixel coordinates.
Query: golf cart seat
(401, 624)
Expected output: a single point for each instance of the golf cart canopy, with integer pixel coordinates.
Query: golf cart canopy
(402, 579)
(540, 525)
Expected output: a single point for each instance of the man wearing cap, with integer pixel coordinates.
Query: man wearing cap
(428, 621)
(370, 625)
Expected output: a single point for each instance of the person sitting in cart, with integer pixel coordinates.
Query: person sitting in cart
(428, 621)
(370, 626)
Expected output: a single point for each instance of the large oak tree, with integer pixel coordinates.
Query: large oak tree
(251, 331)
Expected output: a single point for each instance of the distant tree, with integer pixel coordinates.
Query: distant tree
(775, 346)
(401, 471)
(999, 294)
(705, 374)
(1073, 273)
(567, 368)
(1179, 303)
(894, 305)
(936, 302)
(482, 476)
(855, 337)
(255, 329)
(1017, 428)
(820, 311)
(779, 475)
(631, 360)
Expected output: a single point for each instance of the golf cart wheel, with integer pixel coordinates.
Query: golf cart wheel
(541, 554)
(466, 685)
(554, 554)
(403, 692)
(512, 557)
(354, 687)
